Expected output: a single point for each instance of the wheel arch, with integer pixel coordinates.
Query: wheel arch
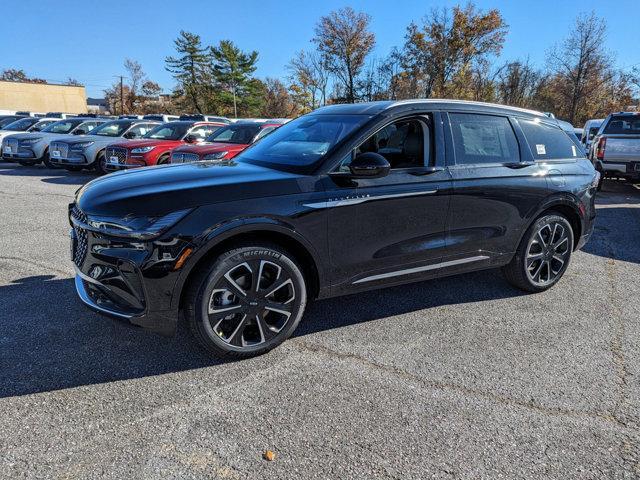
(289, 240)
(568, 206)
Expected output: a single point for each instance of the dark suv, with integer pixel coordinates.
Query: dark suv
(345, 199)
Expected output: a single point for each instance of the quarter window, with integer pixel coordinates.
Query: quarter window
(548, 142)
(479, 139)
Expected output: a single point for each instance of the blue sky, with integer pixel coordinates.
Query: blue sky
(89, 40)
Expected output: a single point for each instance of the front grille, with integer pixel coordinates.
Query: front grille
(81, 243)
(117, 152)
(61, 147)
(184, 157)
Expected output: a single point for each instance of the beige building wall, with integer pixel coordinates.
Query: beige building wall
(38, 97)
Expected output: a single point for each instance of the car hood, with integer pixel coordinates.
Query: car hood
(72, 139)
(163, 189)
(146, 142)
(204, 148)
(27, 135)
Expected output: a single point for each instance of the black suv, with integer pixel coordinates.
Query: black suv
(345, 199)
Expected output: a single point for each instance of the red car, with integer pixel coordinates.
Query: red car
(224, 143)
(155, 147)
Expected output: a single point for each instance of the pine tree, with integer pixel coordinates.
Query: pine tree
(191, 69)
(232, 70)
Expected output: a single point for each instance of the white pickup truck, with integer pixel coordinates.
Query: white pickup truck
(615, 150)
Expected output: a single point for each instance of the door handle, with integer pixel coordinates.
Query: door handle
(426, 171)
(516, 165)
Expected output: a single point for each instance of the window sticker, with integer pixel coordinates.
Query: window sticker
(541, 149)
(574, 150)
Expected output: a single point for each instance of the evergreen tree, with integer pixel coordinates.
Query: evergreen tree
(232, 70)
(191, 69)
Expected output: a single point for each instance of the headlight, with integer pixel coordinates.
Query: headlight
(141, 227)
(81, 145)
(215, 156)
(142, 149)
(30, 141)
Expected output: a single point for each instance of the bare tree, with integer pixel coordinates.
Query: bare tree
(580, 64)
(344, 40)
(517, 83)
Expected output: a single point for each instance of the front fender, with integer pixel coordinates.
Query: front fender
(228, 229)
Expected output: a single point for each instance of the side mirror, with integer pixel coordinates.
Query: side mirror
(130, 135)
(191, 138)
(369, 165)
(80, 131)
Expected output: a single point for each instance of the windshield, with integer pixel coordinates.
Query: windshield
(6, 121)
(169, 131)
(63, 126)
(111, 129)
(304, 141)
(239, 134)
(41, 124)
(623, 125)
(21, 125)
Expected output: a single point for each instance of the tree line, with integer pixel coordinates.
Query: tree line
(452, 52)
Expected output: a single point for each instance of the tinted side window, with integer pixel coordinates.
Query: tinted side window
(548, 142)
(483, 139)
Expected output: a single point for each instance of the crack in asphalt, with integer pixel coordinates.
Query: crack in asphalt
(30, 195)
(630, 450)
(36, 264)
(529, 405)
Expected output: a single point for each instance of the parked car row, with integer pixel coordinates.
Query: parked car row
(106, 145)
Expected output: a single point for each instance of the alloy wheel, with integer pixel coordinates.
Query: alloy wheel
(250, 304)
(547, 253)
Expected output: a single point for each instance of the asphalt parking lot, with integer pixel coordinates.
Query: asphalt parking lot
(463, 377)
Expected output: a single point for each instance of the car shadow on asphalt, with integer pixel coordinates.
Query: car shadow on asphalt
(49, 341)
(58, 176)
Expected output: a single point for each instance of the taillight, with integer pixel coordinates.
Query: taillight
(602, 144)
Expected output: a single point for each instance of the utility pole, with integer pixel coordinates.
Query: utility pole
(121, 77)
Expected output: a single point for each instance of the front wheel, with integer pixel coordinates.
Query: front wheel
(543, 254)
(47, 161)
(247, 302)
(101, 164)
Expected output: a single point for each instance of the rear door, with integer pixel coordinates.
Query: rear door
(496, 185)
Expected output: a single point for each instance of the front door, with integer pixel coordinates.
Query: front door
(392, 229)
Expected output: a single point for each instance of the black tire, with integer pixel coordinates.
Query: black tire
(533, 253)
(27, 163)
(47, 161)
(246, 325)
(100, 164)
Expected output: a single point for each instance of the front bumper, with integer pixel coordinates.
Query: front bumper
(132, 281)
(76, 159)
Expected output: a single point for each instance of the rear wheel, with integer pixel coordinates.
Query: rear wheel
(543, 254)
(247, 302)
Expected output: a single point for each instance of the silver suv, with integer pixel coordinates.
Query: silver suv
(85, 151)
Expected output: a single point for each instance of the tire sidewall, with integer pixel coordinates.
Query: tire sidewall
(236, 257)
(533, 229)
